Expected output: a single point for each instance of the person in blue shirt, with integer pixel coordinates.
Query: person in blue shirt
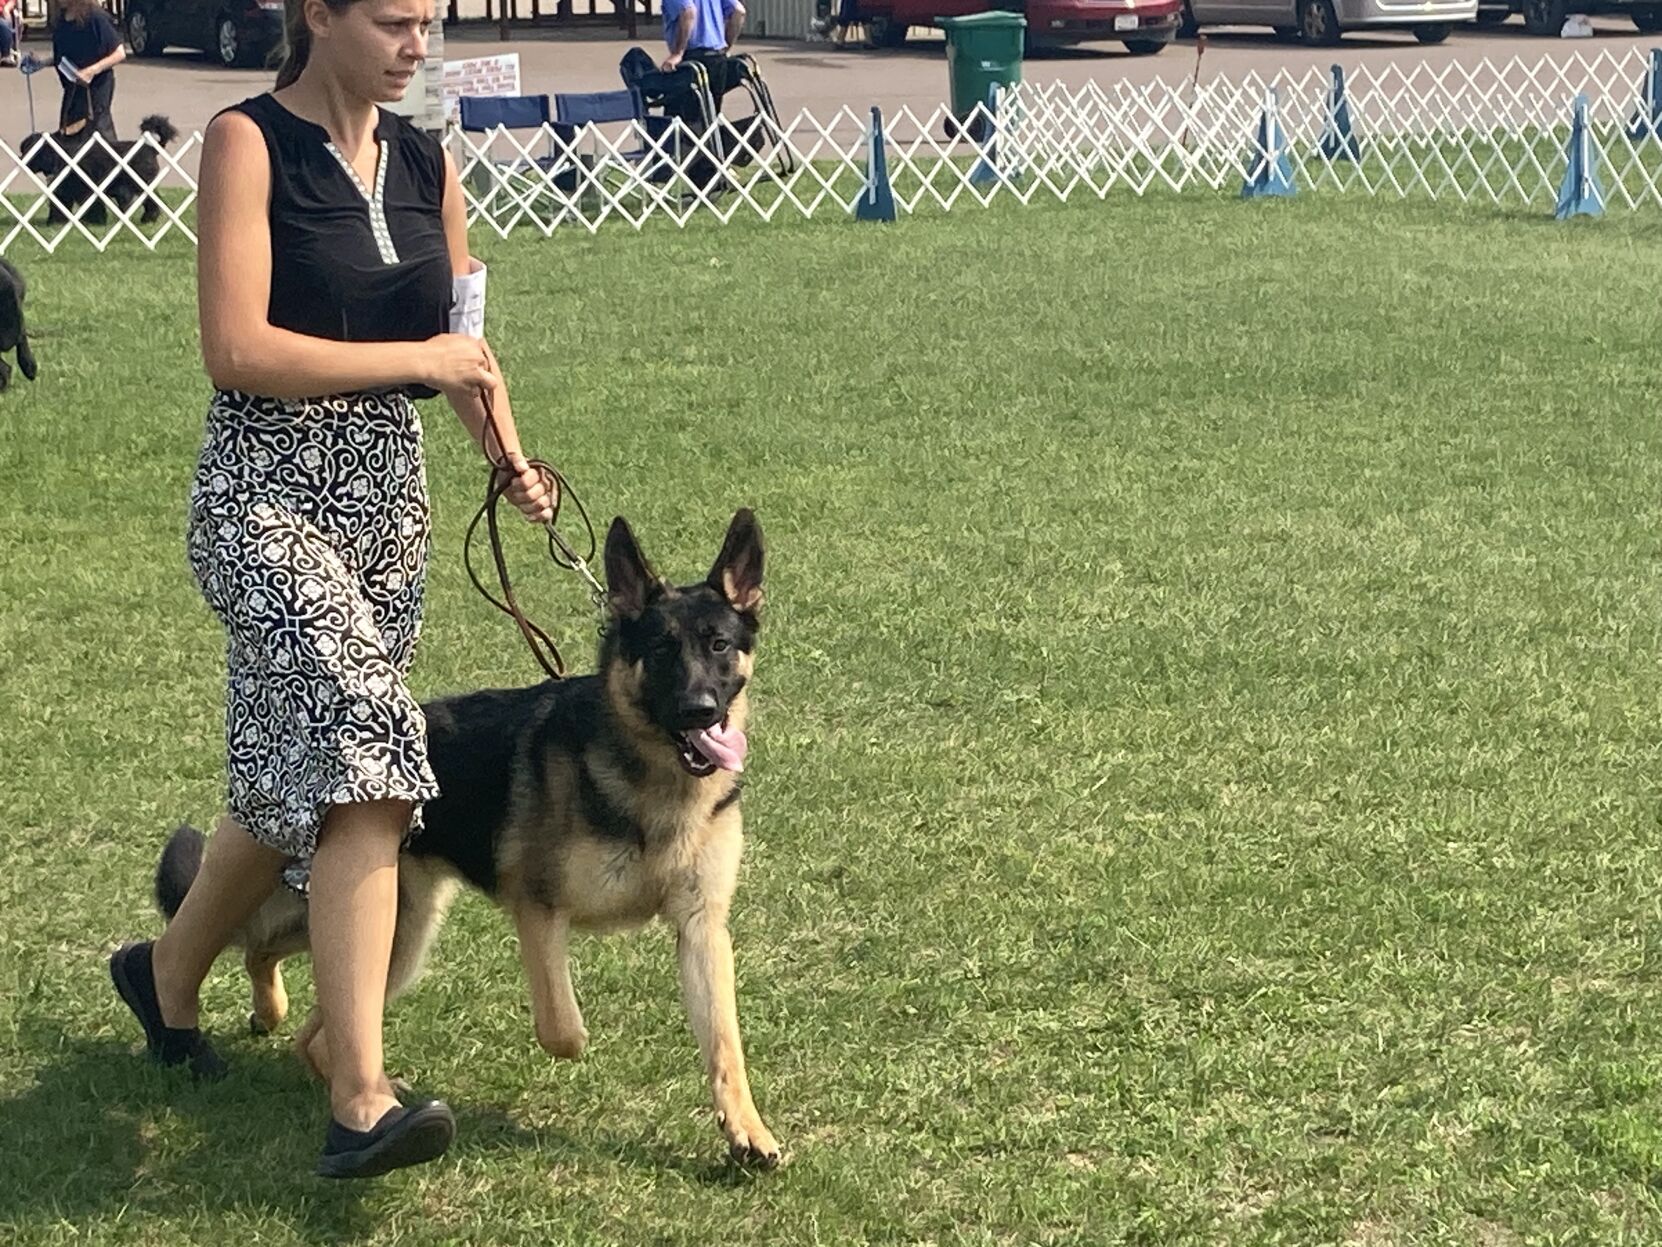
(702, 32)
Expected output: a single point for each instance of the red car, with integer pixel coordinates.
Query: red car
(1144, 26)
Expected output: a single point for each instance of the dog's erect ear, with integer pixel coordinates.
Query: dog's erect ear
(630, 581)
(737, 574)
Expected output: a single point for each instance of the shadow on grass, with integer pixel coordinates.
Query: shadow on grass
(103, 1133)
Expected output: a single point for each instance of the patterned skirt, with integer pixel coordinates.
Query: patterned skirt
(309, 534)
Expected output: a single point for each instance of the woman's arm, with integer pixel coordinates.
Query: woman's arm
(89, 72)
(240, 347)
(530, 492)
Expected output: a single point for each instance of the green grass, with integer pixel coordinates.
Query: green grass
(1206, 763)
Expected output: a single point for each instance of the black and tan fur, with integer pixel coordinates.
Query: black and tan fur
(569, 804)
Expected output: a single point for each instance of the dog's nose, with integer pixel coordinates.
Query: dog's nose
(698, 710)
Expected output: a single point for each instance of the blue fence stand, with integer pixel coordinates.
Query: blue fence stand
(876, 202)
(1272, 172)
(1339, 141)
(986, 166)
(1648, 120)
(1581, 194)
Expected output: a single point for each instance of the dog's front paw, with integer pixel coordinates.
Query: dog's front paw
(748, 1141)
(565, 1045)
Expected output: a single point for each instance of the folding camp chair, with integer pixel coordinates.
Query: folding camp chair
(686, 91)
(597, 108)
(523, 178)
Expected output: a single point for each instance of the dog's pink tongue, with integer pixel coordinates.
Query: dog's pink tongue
(724, 745)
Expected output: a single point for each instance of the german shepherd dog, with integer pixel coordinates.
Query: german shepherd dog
(592, 803)
(94, 161)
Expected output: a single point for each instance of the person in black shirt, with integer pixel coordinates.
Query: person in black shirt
(334, 285)
(86, 38)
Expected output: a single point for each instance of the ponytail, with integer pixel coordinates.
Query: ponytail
(297, 39)
(297, 43)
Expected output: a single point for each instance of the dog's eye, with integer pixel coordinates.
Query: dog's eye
(720, 645)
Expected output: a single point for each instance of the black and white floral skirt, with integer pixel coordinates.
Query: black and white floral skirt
(309, 533)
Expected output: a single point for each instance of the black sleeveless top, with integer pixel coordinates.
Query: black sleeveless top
(349, 262)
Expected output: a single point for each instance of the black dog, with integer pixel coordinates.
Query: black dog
(94, 162)
(12, 331)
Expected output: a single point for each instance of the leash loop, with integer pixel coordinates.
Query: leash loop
(560, 550)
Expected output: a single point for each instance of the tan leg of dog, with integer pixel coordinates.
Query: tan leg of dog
(271, 1000)
(706, 954)
(312, 1046)
(544, 937)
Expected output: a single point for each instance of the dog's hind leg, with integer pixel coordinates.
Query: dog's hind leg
(5, 374)
(271, 1000)
(543, 949)
(25, 357)
(311, 1045)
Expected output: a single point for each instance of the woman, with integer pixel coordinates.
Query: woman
(85, 37)
(333, 242)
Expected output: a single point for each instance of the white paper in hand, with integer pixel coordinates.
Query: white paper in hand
(467, 301)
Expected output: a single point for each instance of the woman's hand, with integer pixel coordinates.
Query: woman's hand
(454, 363)
(532, 492)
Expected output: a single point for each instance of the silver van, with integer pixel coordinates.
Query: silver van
(1321, 22)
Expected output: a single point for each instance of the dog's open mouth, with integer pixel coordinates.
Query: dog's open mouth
(711, 749)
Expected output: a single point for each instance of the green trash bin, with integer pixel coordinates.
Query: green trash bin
(981, 49)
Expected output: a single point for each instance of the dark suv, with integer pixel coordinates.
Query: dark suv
(233, 32)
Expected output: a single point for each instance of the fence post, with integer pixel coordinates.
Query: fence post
(1580, 194)
(986, 165)
(1648, 120)
(1272, 172)
(1339, 140)
(876, 202)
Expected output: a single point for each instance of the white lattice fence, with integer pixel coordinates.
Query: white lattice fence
(1483, 132)
(1486, 132)
(95, 191)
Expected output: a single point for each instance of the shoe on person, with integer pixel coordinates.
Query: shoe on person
(403, 1137)
(135, 979)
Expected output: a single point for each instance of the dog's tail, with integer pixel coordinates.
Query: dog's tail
(181, 859)
(159, 128)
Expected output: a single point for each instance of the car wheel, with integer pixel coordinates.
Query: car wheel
(141, 35)
(1317, 23)
(885, 32)
(1143, 47)
(1648, 18)
(229, 45)
(1433, 32)
(1187, 27)
(1543, 17)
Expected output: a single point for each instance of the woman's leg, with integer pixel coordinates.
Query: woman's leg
(238, 873)
(354, 910)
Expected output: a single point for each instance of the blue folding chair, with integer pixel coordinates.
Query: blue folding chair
(520, 177)
(598, 108)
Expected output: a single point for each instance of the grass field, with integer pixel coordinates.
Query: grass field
(1206, 762)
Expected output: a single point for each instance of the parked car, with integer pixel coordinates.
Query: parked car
(1546, 17)
(1143, 26)
(236, 33)
(1323, 22)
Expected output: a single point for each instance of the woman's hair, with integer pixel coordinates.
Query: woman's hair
(297, 38)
